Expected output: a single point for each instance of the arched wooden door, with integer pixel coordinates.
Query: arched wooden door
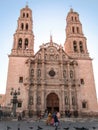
(52, 102)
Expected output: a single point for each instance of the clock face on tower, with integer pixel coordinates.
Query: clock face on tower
(52, 73)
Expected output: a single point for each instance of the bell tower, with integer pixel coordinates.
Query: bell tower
(22, 49)
(75, 44)
(76, 47)
(23, 38)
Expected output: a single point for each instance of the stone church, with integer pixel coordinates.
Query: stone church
(55, 78)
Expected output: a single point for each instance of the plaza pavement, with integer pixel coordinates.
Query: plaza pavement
(34, 124)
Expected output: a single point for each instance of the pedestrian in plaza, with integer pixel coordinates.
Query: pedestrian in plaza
(49, 118)
(46, 113)
(1, 114)
(58, 116)
(19, 117)
(56, 121)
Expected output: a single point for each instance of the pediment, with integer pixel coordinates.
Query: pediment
(51, 51)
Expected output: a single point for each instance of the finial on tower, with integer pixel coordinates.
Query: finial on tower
(71, 9)
(26, 4)
(51, 41)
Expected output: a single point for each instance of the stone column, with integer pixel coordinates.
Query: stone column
(70, 98)
(35, 99)
(23, 41)
(63, 102)
(28, 82)
(42, 102)
(76, 83)
(35, 89)
(43, 83)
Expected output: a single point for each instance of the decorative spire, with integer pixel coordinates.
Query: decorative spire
(50, 38)
(26, 4)
(71, 9)
(51, 41)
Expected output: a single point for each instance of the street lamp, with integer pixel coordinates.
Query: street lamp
(14, 93)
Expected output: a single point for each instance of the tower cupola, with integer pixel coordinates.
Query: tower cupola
(23, 37)
(75, 44)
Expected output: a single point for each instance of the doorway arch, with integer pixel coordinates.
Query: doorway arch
(52, 102)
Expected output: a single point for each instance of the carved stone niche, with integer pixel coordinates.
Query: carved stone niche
(66, 86)
(38, 100)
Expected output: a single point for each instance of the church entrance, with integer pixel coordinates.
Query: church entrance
(52, 102)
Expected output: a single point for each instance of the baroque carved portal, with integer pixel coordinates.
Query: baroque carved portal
(52, 102)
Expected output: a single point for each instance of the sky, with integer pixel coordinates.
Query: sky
(49, 17)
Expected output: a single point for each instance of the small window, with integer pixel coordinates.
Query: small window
(26, 43)
(52, 72)
(84, 104)
(20, 43)
(75, 18)
(73, 29)
(72, 18)
(77, 29)
(27, 26)
(82, 81)
(22, 26)
(19, 104)
(23, 15)
(20, 79)
(81, 46)
(27, 15)
(75, 46)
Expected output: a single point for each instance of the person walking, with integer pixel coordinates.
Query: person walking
(56, 121)
(49, 118)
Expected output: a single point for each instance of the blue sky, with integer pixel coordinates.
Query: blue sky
(49, 16)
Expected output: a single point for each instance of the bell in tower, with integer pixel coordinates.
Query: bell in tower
(75, 44)
(23, 38)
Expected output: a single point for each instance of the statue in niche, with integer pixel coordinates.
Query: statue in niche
(71, 74)
(39, 73)
(66, 100)
(38, 100)
(31, 100)
(73, 100)
(64, 73)
(32, 72)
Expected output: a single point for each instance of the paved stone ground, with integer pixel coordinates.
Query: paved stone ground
(32, 124)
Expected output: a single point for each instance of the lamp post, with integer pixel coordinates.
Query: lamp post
(14, 93)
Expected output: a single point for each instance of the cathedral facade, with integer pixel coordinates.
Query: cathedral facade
(55, 78)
